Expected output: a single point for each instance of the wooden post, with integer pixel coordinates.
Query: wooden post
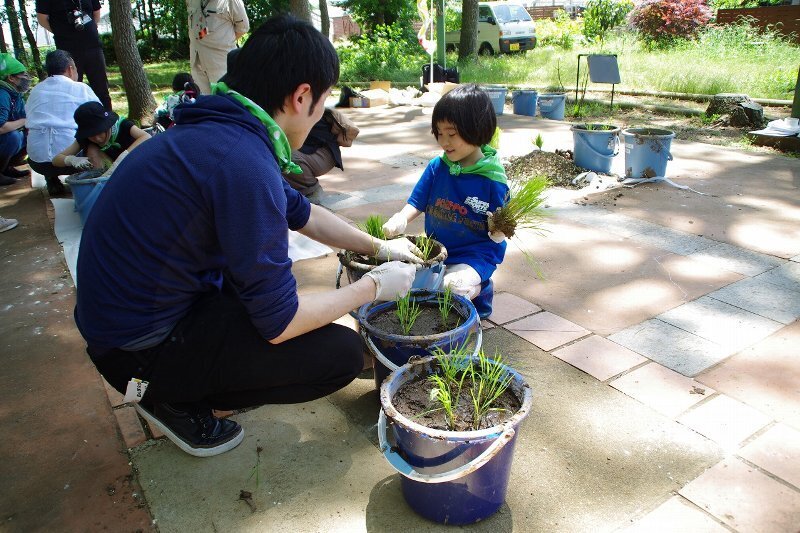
(796, 103)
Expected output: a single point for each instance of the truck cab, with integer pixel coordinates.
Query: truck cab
(503, 27)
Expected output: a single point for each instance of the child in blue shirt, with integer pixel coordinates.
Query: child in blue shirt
(458, 191)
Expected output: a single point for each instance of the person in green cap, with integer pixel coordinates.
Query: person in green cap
(14, 82)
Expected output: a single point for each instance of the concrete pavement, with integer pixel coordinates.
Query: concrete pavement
(661, 345)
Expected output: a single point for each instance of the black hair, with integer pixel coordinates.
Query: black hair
(180, 80)
(470, 110)
(280, 55)
(57, 62)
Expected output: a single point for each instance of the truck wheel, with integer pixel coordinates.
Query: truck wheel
(485, 50)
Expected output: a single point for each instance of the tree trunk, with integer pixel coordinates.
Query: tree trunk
(324, 19)
(796, 101)
(140, 15)
(3, 45)
(137, 89)
(37, 58)
(16, 36)
(300, 9)
(153, 32)
(468, 45)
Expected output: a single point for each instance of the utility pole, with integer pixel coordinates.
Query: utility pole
(440, 57)
(796, 103)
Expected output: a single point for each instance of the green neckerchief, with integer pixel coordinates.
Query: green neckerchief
(487, 166)
(6, 85)
(112, 140)
(283, 151)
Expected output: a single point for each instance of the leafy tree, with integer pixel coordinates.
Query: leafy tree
(16, 36)
(137, 89)
(660, 22)
(734, 4)
(602, 15)
(26, 26)
(468, 44)
(369, 14)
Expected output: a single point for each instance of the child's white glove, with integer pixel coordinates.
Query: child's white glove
(495, 236)
(398, 250)
(392, 279)
(78, 162)
(395, 225)
(115, 164)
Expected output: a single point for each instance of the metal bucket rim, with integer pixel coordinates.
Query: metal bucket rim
(521, 389)
(459, 302)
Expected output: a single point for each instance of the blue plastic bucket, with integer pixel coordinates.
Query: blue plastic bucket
(647, 151)
(552, 106)
(86, 187)
(451, 477)
(392, 351)
(524, 102)
(595, 148)
(497, 95)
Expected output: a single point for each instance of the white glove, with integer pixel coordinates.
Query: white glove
(496, 236)
(392, 280)
(78, 162)
(395, 225)
(399, 250)
(115, 164)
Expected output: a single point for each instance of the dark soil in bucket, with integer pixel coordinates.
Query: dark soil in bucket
(429, 322)
(413, 400)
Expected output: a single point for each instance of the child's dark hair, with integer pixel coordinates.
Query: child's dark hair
(280, 55)
(470, 110)
(180, 80)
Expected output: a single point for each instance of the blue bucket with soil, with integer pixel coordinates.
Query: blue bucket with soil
(524, 102)
(392, 350)
(595, 146)
(86, 188)
(497, 94)
(552, 106)
(647, 151)
(450, 477)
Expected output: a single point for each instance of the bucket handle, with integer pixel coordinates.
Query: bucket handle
(591, 148)
(392, 367)
(404, 468)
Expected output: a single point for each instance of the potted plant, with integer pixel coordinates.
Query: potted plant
(595, 146)
(454, 418)
(414, 325)
(427, 277)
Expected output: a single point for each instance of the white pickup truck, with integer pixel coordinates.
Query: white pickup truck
(503, 27)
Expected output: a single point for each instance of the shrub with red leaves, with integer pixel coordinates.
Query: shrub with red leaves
(660, 21)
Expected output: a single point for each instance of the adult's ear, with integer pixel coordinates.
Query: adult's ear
(301, 99)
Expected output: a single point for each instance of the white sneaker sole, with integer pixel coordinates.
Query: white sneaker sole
(183, 445)
(8, 227)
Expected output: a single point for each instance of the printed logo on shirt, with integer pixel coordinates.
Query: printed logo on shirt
(450, 205)
(478, 206)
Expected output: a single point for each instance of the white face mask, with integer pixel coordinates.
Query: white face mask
(23, 84)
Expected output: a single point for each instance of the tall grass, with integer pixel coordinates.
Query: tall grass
(732, 58)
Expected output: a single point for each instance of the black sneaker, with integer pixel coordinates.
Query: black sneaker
(14, 173)
(56, 188)
(197, 432)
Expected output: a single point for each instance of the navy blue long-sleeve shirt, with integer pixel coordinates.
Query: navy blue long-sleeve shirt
(204, 198)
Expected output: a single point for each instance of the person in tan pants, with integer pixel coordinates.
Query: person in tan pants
(214, 28)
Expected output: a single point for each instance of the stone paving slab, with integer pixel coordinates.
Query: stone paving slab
(675, 348)
(677, 514)
(745, 498)
(599, 357)
(766, 376)
(673, 241)
(735, 259)
(724, 420)
(662, 389)
(721, 323)
(762, 298)
(786, 276)
(777, 451)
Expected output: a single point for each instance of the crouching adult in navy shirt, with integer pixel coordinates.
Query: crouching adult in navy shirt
(186, 296)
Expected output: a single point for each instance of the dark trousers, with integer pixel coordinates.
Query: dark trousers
(51, 172)
(215, 356)
(92, 62)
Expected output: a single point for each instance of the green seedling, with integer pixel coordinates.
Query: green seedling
(448, 385)
(489, 381)
(407, 312)
(445, 303)
(373, 226)
(425, 245)
(523, 208)
(539, 142)
(257, 466)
